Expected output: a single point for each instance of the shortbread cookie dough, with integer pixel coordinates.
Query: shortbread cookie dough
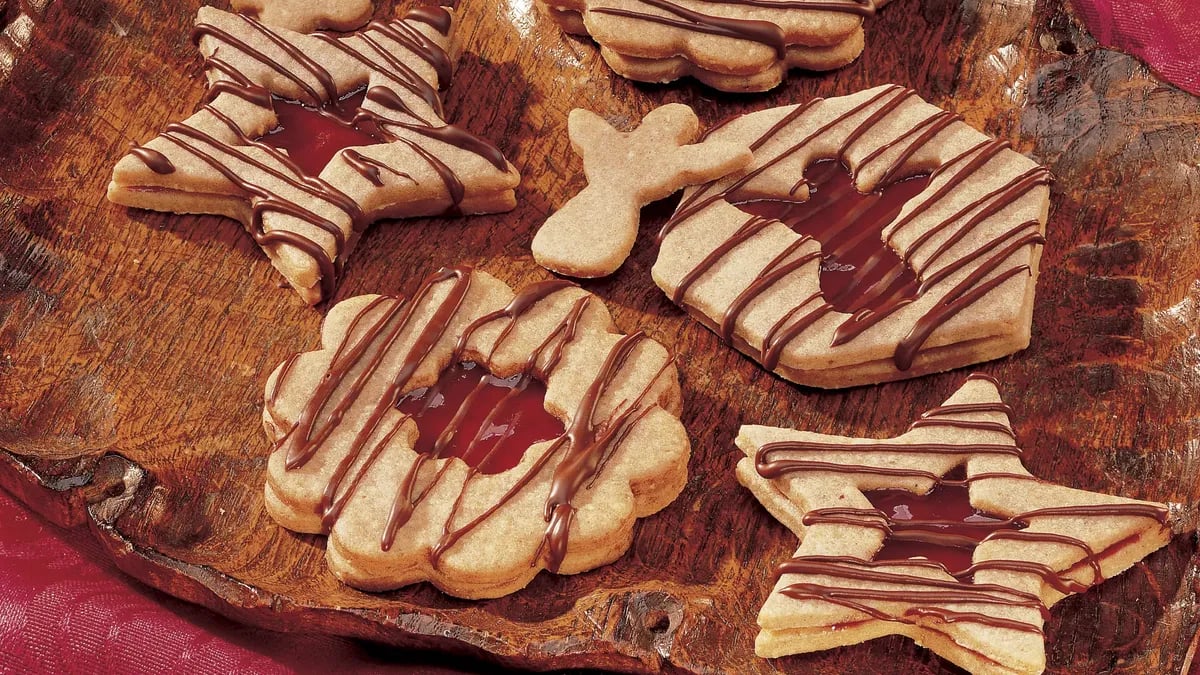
(673, 68)
(733, 45)
(417, 437)
(307, 139)
(874, 237)
(593, 233)
(306, 16)
(893, 543)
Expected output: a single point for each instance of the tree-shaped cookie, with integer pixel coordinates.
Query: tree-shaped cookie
(307, 139)
(471, 437)
(939, 534)
(874, 237)
(306, 16)
(593, 233)
(733, 45)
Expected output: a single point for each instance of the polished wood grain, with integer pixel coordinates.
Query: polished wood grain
(134, 345)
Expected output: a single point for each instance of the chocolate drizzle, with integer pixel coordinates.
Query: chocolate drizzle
(155, 160)
(753, 30)
(857, 272)
(878, 289)
(579, 453)
(318, 90)
(370, 168)
(432, 15)
(776, 460)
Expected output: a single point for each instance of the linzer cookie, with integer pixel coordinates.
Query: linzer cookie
(939, 534)
(874, 237)
(306, 16)
(471, 437)
(733, 45)
(307, 139)
(593, 233)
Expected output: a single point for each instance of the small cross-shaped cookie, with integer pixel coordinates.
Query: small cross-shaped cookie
(593, 233)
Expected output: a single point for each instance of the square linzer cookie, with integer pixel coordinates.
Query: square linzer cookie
(874, 237)
(732, 45)
(307, 139)
(939, 534)
(472, 437)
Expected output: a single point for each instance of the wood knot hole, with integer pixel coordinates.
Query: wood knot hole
(657, 621)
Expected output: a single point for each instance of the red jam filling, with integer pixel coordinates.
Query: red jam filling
(312, 136)
(490, 421)
(858, 271)
(941, 525)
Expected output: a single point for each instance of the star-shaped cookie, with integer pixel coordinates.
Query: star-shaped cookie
(593, 233)
(871, 564)
(471, 436)
(306, 139)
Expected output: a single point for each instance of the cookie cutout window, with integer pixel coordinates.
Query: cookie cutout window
(858, 270)
(940, 525)
(886, 528)
(486, 421)
(471, 437)
(743, 255)
(312, 136)
(369, 98)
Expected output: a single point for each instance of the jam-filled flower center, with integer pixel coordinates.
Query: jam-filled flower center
(487, 421)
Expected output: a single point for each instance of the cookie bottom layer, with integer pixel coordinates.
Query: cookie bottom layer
(293, 264)
(674, 68)
(928, 361)
(775, 643)
(355, 570)
(731, 79)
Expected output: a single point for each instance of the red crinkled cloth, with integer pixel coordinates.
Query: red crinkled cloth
(66, 608)
(1163, 33)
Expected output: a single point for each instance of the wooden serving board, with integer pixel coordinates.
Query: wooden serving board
(134, 346)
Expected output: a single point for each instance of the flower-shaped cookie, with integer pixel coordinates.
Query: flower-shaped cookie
(390, 438)
(307, 139)
(892, 544)
(733, 45)
(922, 258)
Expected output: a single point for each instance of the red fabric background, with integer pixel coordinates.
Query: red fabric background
(65, 608)
(1163, 33)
